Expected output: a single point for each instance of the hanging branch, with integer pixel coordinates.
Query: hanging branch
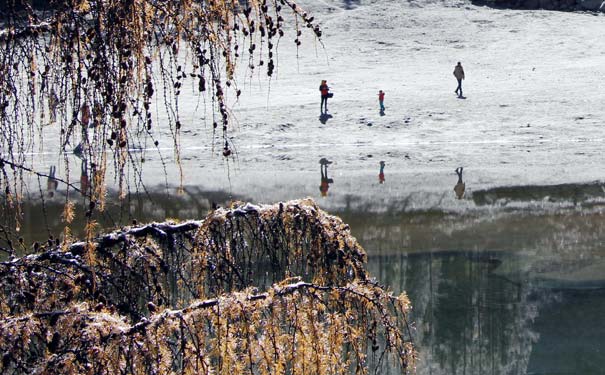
(97, 74)
(14, 166)
(179, 297)
(170, 264)
(206, 337)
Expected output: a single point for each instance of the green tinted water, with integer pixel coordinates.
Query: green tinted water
(496, 289)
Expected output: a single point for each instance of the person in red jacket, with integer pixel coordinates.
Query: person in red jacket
(381, 100)
(325, 94)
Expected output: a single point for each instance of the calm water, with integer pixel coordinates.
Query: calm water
(511, 282)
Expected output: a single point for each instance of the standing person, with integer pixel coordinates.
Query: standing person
(381, 174)
(459, 74)
(325, 94)
(381, 100)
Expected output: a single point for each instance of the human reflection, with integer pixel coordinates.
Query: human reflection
(325, 181)
(51, 182)
(84, 180)
(460, 186)
(381, 174)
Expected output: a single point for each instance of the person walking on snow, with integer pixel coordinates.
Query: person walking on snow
(381, 100)
(459, 74)
(325, 94)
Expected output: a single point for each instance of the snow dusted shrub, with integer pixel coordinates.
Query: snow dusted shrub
(278, 289)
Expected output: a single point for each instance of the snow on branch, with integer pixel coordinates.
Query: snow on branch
(336, 328)
(248, 289)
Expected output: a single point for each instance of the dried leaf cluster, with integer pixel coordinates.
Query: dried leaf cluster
(278, 289)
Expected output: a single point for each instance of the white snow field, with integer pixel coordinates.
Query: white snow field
(533, 112)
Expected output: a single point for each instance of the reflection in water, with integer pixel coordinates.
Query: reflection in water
(381, 174)
(500, 293)
(84, 178)
(325, 181)
(51, 182)
(460, 186)
(467, 320)
(494, 291)
(572, 193)
(473, 318)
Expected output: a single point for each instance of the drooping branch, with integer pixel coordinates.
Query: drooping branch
(158, 231)
(337, 329)
(14, 166)
(170, 264)
(106, 78)
(261, 289)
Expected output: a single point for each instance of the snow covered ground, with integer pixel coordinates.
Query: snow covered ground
(533, 113)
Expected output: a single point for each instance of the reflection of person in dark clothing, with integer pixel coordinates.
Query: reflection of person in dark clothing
(381, 174)
(325, 181)
(51, 182)
(460, 186)
(325, 94)
(84, 181)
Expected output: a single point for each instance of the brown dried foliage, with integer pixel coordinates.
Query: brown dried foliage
(276, 289)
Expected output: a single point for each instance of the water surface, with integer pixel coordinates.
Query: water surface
(506, 280)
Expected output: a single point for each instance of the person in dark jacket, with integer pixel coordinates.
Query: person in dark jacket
(325, 94)
(459, 74)
(52, 183)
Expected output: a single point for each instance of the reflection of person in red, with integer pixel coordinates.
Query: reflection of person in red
(325, 181)
(84, 181)
(381, 174)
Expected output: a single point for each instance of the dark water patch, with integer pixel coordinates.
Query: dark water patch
(559, 5)
(42, 218)
(470, 320)
(575, 193)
